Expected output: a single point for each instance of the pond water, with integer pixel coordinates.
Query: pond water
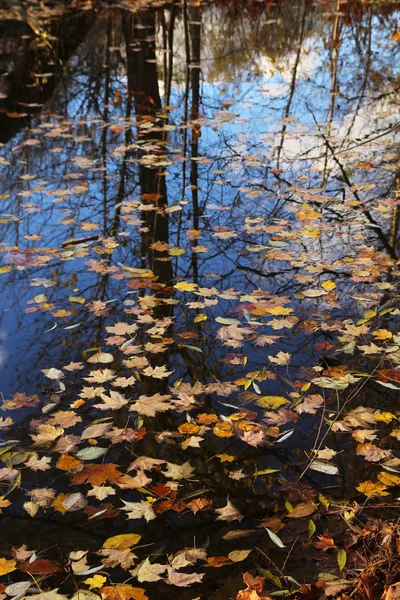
(199, 214)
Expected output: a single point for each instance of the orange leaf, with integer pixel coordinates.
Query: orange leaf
(325, 543)
(97, 474)
(122, 591)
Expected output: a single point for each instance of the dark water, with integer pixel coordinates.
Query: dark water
(250, 149)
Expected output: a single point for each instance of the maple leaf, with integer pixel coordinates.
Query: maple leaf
(22, 553)
(65, 419)
(73, 366)
(369, 488)
(139, 510)
(310, 405)
(20, 400)
(100, 376)
(53, 373)
(7, 566)
(372, 453)
(362, 435)
(370, 349)
(176, 472)
(228, 513)
(66, 443)
(388, 479)
(112, 557)
(46, 434)
(326, 453)
(146, 463)
(38, 464)
(281, 359)
(114, 401)
(182, 579)
(360, 417)
(325, 543)
(126, 482)
(157, 372)
(122, 591)
(7, 474)
(237, 475)
(147, 571)
(255, 437)
(90, 392)
(382, 334)
(122, 328)
(150, 405)
(97, 474)
(185, 286)
(199, 504)
(283, 323)
(101, 491)
(124, 382)
(96, 581)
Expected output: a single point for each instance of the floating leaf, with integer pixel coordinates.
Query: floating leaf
(124, 540)
(342, 559)
(277, 541)
(7, 566)
(324, 467)
(101, 358)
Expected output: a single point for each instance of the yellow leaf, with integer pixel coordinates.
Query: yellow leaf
(271, 401)
(122, 591)
(386, 417)
(66, 462)
(176, 251)
(225, 457)
(277, 311)
(328, 285)
(388, 479)
(199, 318)
(40, 298)
(189, 428)
(7, 566)
(61, 313)
(369, 488)
(77, 299)
(5, 269)
(120, 542)
(382, 334)
(369, 314)
(223, 429)
(185, 286)
(89, 226)
(96, 581)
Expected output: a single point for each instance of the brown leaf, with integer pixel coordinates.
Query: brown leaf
(97, 474)
(303, 509)
(217, 561)
(199, 504)
(39, 566)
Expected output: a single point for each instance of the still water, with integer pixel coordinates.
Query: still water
(198, 203)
